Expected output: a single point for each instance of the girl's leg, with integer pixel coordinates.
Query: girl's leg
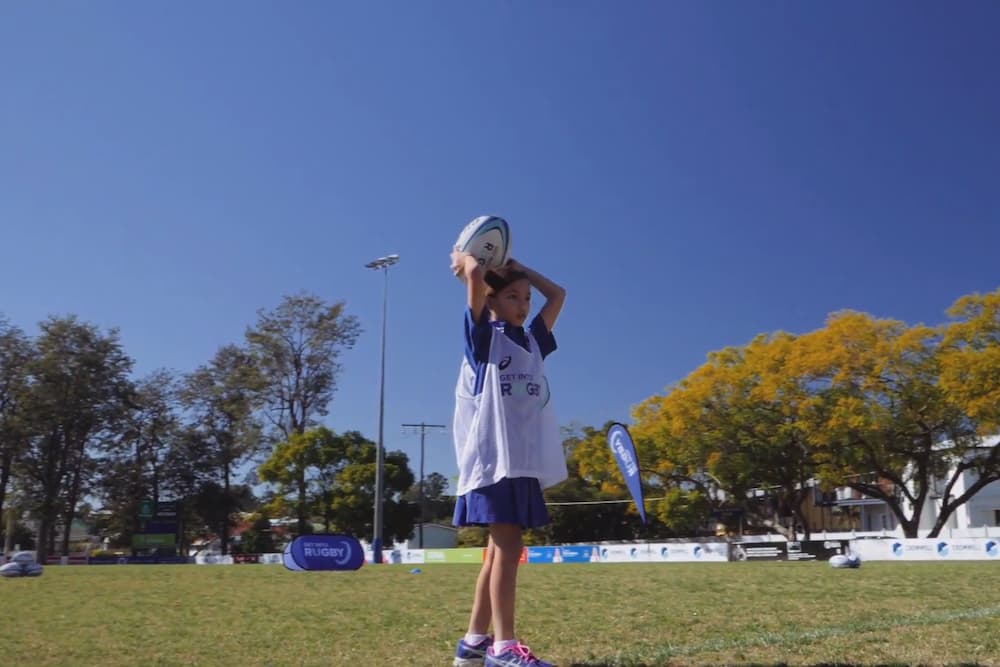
(482, 609)
(507, 544)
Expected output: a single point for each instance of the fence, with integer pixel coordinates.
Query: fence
(876, 548)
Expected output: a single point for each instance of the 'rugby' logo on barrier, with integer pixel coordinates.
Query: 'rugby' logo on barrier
(324, 552)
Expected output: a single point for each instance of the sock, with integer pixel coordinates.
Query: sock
(472, 639)
(501, 645)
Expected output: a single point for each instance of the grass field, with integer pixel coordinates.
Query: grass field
(589, 615)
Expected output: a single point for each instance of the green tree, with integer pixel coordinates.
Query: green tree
(971, 359)
(880, 420)
(258, 539)
(297, 347)
(593, 503)
(222, 398)
(20, 537)
(733, 425)
(684, 511)
(78, 394)
(320, 473)
(188, 466)
(305, 467)
(872, 404)
(353, 502)
(212, 508)
(438, 505)
(134, 465)
(472, 536)
(15, 353)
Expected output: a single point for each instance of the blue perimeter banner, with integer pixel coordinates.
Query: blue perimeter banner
(570, 554)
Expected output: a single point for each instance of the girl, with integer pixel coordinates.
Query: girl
(506, 442)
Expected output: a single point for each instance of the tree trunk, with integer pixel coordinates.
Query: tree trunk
(42, 538)
(5, 465)
(949, 506)
(911, 527)
(182, 547)
(8, 542)
(946, 512)
(909, 524)
(51, 477)
(73, 497)
(301, 505)
(227, 499)
(40, 551)
(67, 529)
(799, 514)
(156, 484)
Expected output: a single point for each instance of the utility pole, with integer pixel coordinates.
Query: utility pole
(423, 432)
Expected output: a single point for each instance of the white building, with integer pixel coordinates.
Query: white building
(977, 517)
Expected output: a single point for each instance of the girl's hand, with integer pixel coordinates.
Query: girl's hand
(465, 267)
(458, 263)
(513, 265)
(462, 264)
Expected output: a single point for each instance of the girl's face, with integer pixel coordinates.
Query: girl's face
(512, 303)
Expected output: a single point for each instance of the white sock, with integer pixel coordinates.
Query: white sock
(501, 645)
(472, 639)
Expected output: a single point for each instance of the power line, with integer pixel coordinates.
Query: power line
(601, 502)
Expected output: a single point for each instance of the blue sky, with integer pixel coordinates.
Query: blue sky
(693, 174)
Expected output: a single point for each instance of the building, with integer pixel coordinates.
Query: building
(975, 517)
(436, 536)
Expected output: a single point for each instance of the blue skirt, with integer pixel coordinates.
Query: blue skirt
(518, 501)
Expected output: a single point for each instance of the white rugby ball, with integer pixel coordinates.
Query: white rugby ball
(487, 238)
(841, 561)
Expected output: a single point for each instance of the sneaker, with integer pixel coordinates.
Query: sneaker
(518, 655)
(467, 655)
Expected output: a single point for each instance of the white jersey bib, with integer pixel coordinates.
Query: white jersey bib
(509, 429)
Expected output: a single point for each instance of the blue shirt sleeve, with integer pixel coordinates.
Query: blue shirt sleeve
(478, 335)
(540, 332)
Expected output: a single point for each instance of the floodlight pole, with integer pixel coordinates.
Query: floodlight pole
(383, 264)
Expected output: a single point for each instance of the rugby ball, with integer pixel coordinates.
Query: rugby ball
(487, 238)
(842, 561)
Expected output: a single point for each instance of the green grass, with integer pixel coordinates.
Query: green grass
(589, 615)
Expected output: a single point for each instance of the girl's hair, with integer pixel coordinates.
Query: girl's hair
(496, 282)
